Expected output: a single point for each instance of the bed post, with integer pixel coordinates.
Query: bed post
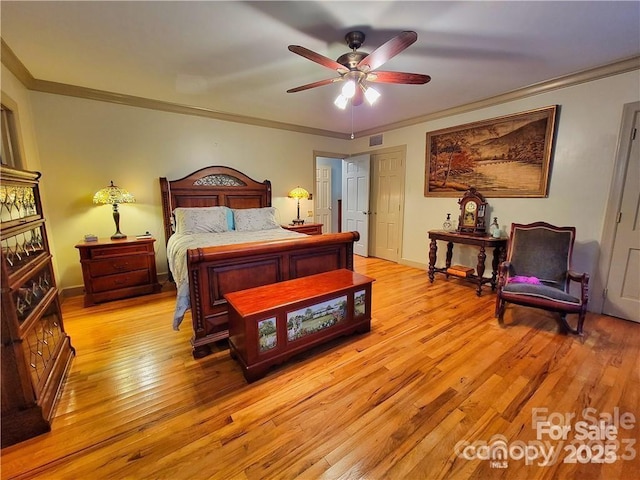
(166, 207)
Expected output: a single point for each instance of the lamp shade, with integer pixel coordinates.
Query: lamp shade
(299, 193)
(113, 195)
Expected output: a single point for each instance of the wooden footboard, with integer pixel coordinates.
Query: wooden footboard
(214, 271)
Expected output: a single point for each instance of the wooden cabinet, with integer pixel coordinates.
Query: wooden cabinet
(36, 351)
(114, 269)
(308, 228)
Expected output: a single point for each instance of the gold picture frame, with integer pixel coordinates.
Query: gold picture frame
(507, 156)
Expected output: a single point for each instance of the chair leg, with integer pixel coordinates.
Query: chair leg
(499, 313)
(581, 318)
(569, 328)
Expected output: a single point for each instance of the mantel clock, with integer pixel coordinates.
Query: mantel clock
(473, 209)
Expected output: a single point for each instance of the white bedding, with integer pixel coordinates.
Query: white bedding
(177, 255)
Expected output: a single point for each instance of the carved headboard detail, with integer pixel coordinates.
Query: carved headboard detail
(220, 180)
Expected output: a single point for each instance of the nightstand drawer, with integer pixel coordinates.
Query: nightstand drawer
(118, 250)
(114, 265)
(124, 280)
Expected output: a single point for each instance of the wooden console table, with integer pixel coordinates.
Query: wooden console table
(499, 246)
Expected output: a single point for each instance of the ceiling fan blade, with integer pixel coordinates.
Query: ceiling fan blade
(316, 57)
(387, 51)
(398, 77)
(314, 84)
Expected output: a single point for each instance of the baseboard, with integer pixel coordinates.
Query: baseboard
(409, 263)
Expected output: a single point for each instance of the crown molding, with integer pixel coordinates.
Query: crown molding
(15, 66)
(56, 88)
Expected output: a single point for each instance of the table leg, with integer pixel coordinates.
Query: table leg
(433, 248)
(449, 253)
(480, 269)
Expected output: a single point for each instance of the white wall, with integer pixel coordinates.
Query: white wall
(83, 144)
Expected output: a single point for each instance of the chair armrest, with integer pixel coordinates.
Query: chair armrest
(583, 280)
(503, 274)
(578, 277)
(504, 267)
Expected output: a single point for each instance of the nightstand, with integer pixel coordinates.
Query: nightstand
(308, 228)
(114, 269)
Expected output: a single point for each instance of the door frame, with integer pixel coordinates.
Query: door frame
(613, 205)
(372, 153)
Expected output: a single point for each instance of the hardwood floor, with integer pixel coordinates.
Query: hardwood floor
(436, 371)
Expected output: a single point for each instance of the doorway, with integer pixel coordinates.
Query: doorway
(328, 179)
(386, 200)
(356, 205)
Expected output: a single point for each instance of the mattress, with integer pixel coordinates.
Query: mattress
(177, 256)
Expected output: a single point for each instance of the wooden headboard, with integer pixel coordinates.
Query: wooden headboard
(210, 187)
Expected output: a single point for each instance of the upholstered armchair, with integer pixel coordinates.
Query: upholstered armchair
(537, 273)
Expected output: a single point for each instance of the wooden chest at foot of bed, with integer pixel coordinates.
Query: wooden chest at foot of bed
(271, 323)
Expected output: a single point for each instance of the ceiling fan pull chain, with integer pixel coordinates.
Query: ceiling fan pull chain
(352, 137)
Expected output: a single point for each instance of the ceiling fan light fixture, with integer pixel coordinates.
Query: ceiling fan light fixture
(371, 94)
(356, 68)
(349, 89)
(341, 102)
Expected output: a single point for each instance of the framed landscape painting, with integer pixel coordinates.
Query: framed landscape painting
(508, 156)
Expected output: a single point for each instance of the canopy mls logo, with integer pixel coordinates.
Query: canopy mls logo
(499, 451)
(590, 437)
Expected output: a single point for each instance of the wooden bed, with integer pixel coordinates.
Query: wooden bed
(214, 271)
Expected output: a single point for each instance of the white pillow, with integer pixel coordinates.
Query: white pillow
(251, 219)
(201, 220)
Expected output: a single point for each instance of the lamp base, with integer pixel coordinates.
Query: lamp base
(118, 236)
(297, 221)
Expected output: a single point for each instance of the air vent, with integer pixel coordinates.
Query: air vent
(375, 140)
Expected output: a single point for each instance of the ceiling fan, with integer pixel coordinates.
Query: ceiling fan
(357, 68)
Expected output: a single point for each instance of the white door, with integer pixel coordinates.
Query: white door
(388, 194)
(355, 200)
(623, 286)
(323, 197)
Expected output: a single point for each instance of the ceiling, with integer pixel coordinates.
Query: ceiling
(232, 56)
